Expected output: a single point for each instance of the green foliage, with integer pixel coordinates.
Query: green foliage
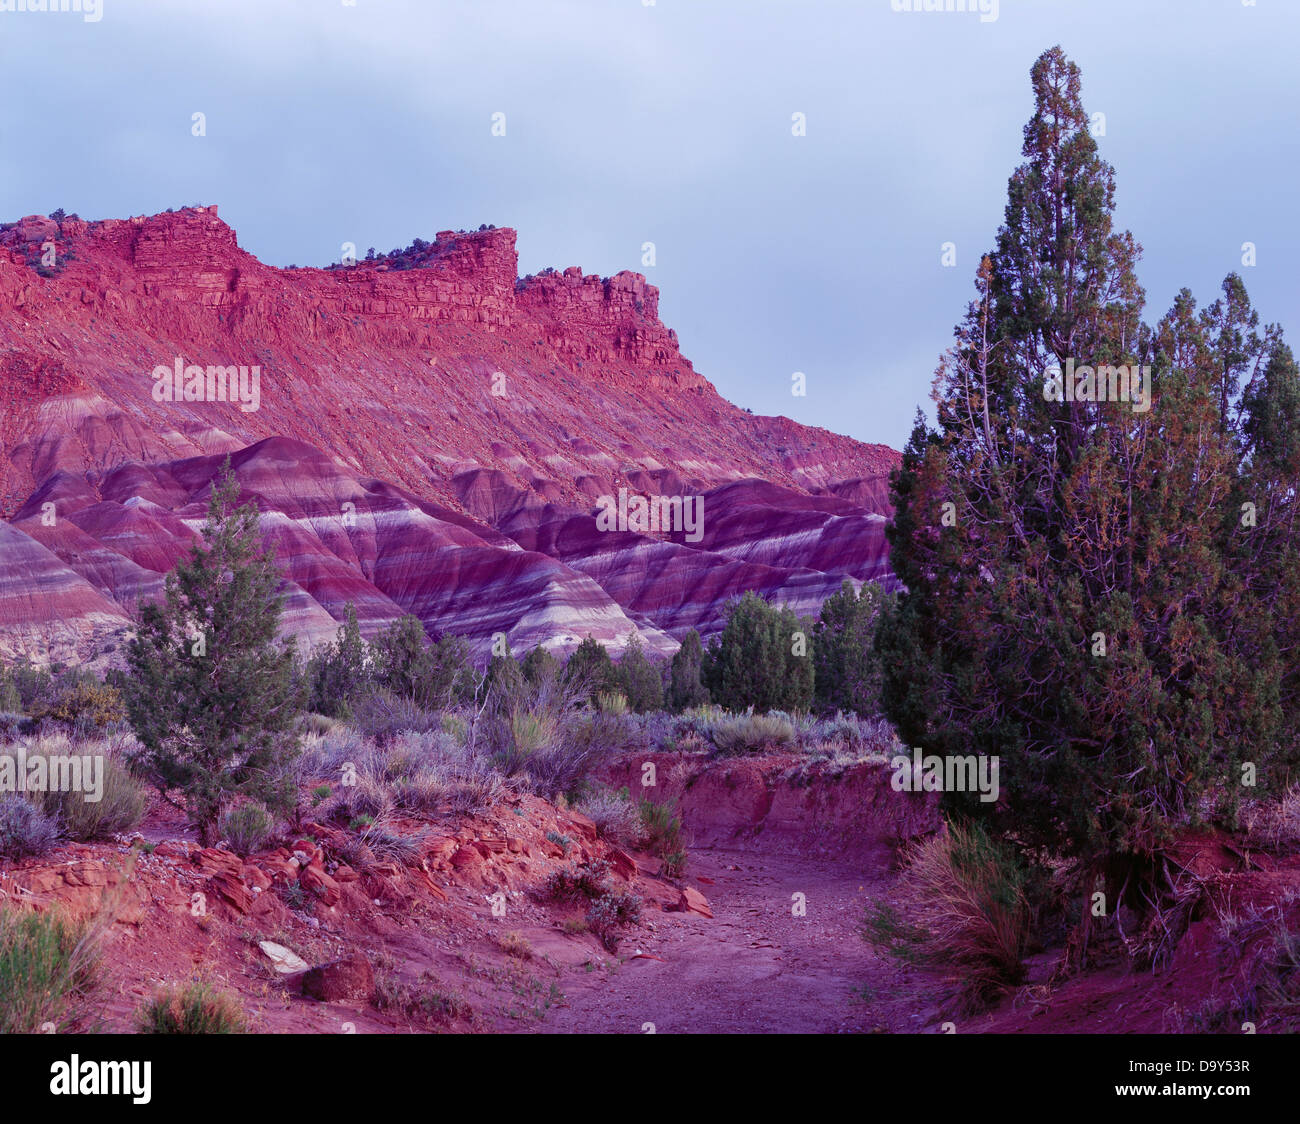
(574, 882)
(247, 827)
(761, 660)
(79, 705)
(431, 675)
(10, 700)
(194, 1008)
(967, 909)
(845, 660)
(753, 733)
(639, 679)
(505, 675)
(612, 703)
(614, 814)
(32, 683)
(610, 912)
(543, 733)
(1084, 597)
(47, 966)
(685, 688)
(211, 696)
(661, 834)
(339, 673)
(590, 668)
(121, 807)
(539, 664)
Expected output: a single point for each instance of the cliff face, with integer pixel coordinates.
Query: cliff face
(424, 434)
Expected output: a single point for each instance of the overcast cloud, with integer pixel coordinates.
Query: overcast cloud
(670, 122)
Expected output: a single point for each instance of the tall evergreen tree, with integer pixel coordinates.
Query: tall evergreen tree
(639, 679)
(1071, 605)
(846, 665)
(589, 664)
(211, 695)
(339, 673)
(685, 688)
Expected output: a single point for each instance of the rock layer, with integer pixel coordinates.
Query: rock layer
(429, 434)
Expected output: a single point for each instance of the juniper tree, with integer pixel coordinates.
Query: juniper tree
(589, 666)
(846, 666)
(538, 665)
(1073, 602)
(211, 695)
(639, 679)
(340, 672)
(761, 659)
(432, 675)
(685, 688)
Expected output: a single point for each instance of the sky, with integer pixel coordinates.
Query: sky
(672, 122)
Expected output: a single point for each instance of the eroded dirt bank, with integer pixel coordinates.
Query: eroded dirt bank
(760, 933)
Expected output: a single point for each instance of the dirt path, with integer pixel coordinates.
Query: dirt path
(755, 967)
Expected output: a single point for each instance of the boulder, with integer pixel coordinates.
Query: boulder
(349, 977)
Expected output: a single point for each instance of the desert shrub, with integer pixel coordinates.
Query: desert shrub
(661, 834)
(965, 912)
(422, 791)
(388, 846)
(1274, 824)
(368, 799)
(247, 827)
(611, 702)
(516, 945)
(325, 755)
(574, 882)
(12, 724)
(752, 733)
(81, 706)
(47, 964)
(121, 807)
(315, 723)
(424, 769)
(614, 814)
(424, 1001)
(26, 830)
(536, 732)
(611, 912)
(11, 701)
(383, 714)
(194, 1008)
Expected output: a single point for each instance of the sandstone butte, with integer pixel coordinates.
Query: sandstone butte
(429, 440)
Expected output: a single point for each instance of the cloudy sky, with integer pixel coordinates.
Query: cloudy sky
(670, 121)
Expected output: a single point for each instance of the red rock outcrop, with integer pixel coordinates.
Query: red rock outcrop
(425, 434)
